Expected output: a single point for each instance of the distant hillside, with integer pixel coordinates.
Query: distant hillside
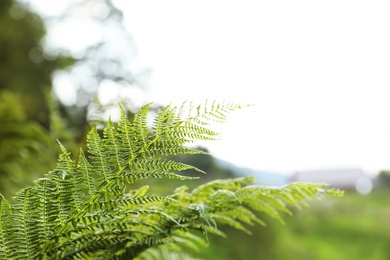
(262, 177)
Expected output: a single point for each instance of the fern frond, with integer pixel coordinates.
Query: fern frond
(85, 177)
(100, 158)
(141, 128)
(235, 201)
(128, 203)
(188, 240)
(71, 179)
(89, 208)
(67, 199)
(27, 225)
(125, 130)
(113, 142)
(245, 215)
(47, 196)
(6, 225)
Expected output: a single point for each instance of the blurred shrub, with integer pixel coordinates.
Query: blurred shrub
(26, 148)
(25, 68)
(384, 179)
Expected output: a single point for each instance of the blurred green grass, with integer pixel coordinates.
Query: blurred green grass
(351, 227)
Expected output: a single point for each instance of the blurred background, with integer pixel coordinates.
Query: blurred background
(316, 74)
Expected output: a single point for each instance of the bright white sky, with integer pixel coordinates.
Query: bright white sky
(318, 73)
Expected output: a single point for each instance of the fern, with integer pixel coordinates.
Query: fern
(90, 208)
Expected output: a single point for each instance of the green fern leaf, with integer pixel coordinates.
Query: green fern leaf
(90, 208)
(6, 225)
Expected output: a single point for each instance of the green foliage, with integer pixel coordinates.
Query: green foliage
(26, 149)
(91, 208)
(355, 227)
(25, 68)
(384, 179)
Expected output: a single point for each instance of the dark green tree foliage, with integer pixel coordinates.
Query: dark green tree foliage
(90, 208)
(24, 67)
(26, 144)
(26, 148)
(384, 179)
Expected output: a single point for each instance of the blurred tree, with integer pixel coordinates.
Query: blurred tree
(26, 148)
(28, 62)
(24, 67)
(27, 142)
(105, 56)
(384, 179)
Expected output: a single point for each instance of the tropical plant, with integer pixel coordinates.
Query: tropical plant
(92, 209)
